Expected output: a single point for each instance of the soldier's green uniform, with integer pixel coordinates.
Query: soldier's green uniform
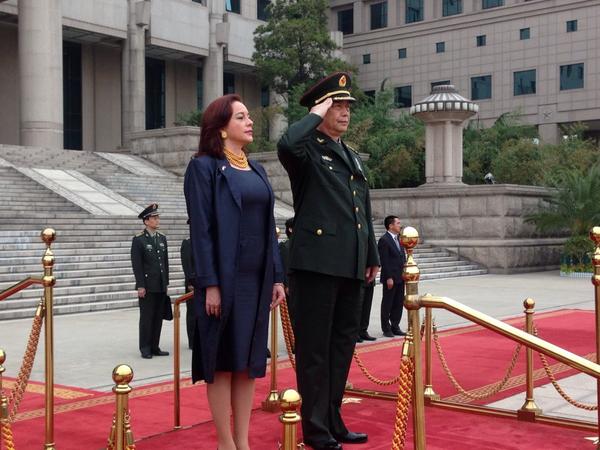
(332, 245)
(150, 262)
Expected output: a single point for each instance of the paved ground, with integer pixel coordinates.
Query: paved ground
(88, 346)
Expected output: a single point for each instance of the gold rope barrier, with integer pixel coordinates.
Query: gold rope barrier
(529, 409)
(288, 333)
(595, 237)
(6, 435)
(559, 389)
(488, 392)
(177, 357)
(121, 436)
(405, 389)
(271, 403)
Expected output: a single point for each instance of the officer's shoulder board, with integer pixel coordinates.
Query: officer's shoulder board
(350, 148)
(160, 234)
(141, 233)
(320, 140)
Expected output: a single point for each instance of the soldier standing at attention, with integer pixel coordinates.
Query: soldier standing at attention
(332, 252)
(150, 261)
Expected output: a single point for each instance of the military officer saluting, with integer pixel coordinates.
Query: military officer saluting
(332, 252)
(150, 262)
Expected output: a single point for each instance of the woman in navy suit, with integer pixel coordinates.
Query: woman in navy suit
(238, 271)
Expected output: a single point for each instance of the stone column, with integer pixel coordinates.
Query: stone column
(212, 67)
(133, 70)
(41, 73)
(549, 133)
(444, 113)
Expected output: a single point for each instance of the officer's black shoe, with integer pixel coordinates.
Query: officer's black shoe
(366, 337)
(353, 438)
(388, 333)
(398, 332)
(359, 338)
(332, 444)
(160, 352)
(146, 356)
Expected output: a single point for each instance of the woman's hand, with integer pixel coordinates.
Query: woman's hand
(278, 295)
(213, 301)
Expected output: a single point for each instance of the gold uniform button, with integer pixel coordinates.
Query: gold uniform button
(359, 226)
(354, 193)
(351, 177)
(319, 232)
(356, 209)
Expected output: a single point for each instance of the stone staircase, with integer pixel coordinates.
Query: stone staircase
(92, 253)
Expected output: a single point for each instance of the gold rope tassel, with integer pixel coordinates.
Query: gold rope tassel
(489, 391)
(112, 436)
(288, 332)
(128, 433)
(552, 378)
(28, 360)
(7, 436)
(405, 387)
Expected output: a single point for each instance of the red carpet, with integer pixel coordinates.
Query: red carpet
(83, 418)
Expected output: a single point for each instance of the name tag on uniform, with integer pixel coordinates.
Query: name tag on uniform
(162, 245)
(149, 246)
(326, 158)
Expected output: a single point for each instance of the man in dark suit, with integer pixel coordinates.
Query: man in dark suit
(150, 262)
(393, 257)
(284, 252)
(332, 252)
(187, 262)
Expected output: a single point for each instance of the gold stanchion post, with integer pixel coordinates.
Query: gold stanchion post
(271, 403)
(411, 274)
(529, 409)
(429, 393)
(290, 405)
(3, 399)
(176, 364)
(595, 236)
(48, 235)
(122, 376)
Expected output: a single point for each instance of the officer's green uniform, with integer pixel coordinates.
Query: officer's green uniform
(150, 262)
(331, 246)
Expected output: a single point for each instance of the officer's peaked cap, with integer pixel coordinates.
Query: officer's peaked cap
(151, 210)
(335, 86)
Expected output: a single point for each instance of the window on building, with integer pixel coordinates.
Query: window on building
(403, 97)
(452, 7)
(367, 58)
(571, 77)
(485, 4)
(346, 21)
(571, 26)
(72, 96)
(199, 89)
(378, 15)
(228, 83)
(481, 87)
(262, 11)
(439, 83)
(524, 33)
(440, 47)
(480, 40)
(155, 93)
(233, 6)
(370, 94)
(401, 53)
(414, 11)
(524, 82)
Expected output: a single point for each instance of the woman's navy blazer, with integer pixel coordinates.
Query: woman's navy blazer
(214, 202)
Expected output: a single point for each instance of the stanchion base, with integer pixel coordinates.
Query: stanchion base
(271, 403)
(430, 394)
(49, 446)
(528, 412)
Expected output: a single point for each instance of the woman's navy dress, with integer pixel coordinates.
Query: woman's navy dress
(235, 344)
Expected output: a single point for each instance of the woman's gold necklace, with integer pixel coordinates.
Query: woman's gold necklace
(239, 161)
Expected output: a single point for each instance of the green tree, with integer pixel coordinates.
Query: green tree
(294, 49)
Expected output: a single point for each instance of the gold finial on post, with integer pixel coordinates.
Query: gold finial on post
(271, 403)
(411, 275)
(48, 235)
(122, 376)
(290, 403)
(529, 409)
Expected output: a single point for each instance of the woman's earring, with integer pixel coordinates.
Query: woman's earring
(223, 134)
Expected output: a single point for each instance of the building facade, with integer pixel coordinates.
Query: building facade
(85, 74)
(540, 58)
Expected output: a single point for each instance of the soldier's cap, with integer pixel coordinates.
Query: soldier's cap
(335, 86)
(151, 210)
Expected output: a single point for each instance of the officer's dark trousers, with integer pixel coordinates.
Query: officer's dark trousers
(151, 317)
(391, 306)
(327, 320)
(366, 307)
